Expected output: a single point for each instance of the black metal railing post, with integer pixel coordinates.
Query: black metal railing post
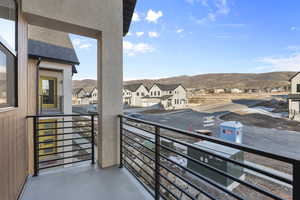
(93, 138)
(121, 142)
(157, 160)
(36, 146)
(296, 181)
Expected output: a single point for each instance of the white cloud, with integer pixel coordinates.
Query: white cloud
(80, 43)
(85, 46)
(203, 2)
(179, 30)
(294, 28)
(132, 49)
(139, 34)
(153, 16)
(281, 63)
(129, 34)
(153, 34)
(293, 47)
(136, 17)
(217, 9)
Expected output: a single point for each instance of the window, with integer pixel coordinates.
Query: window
(48, 92)
(137, 94)
(143, 94)
(151, 93)
(298, 87)
(8, 49)
(155, 93)
(158, 93)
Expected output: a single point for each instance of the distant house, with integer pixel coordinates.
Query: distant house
(169, 96)
(133, 94)
(219, 90)
(92, 95)
(236, 91)
(79, 96)
(294, 97)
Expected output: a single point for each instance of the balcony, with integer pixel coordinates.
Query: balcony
(84, 182)
(169, 163)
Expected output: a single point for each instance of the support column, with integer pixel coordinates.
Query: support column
(110, 83)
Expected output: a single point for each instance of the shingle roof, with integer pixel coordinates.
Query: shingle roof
(133, 87)
(76, 90)
(37, 49)
(294, 76)
(128, 9)
(167, 87)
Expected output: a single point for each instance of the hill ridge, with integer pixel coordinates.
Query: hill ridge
(213, 80)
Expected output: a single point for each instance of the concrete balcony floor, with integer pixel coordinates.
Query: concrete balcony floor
(84, 183)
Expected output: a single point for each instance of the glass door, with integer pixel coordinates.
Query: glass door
(48, 92)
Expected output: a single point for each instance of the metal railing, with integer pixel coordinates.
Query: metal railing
(60, 140)
(150, 163)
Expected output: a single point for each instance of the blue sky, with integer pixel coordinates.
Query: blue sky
(188, 37)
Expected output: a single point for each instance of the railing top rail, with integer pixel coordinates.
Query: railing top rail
(241, 147)
(62, 115)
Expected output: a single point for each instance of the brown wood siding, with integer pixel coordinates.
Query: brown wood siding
(13, 134)
(32, 106)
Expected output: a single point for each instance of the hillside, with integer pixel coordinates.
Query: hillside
(209, 81)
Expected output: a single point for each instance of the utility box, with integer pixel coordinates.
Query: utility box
(231, 131)
(217, 163)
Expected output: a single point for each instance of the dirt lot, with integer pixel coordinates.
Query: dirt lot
(264, 121)
(217, 98)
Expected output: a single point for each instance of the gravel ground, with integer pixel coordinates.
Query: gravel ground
(264, 121)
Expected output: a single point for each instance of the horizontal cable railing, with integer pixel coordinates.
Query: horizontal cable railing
(172, 168)
(62, 140)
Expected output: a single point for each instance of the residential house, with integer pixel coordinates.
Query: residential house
(133, 94)
(172, 96)
(92, 94)
(51, 65)
(235, 91)
(294, 97)
(79, 96)
(107, 21)
(218, 91)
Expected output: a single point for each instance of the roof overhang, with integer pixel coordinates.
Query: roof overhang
(128, 10)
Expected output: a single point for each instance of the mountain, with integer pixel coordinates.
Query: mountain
(210, 81)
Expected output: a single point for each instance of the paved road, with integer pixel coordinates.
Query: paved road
(277, 141)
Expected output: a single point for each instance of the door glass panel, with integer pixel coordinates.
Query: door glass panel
(48, 92)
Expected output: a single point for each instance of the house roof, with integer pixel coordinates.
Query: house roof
(164, 87)
(128, 9)
(38, 49)
(76, 90)
(133, 87)
(294, 76)
(90, 90)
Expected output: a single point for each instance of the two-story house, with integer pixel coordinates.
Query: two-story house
(92, 95)
(79, 96)
(133, 94)
(51, 65)
(294, 97)
(172, 96)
